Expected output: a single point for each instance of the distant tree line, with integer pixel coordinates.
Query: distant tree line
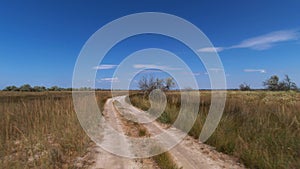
(148, 84)
(274, 84)
(29, 88)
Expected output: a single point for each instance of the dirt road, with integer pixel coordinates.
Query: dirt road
(106, 160)
(188, 154)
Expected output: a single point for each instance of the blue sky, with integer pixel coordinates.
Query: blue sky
(41, 40)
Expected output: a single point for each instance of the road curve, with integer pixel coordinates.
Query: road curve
(188, 154)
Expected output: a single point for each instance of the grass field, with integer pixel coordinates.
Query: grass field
(261, 128)
(41, 130)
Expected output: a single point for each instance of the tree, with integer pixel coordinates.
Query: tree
(287, 84)
(25, 88)
(245, 87)
(54, 88)
(159, 83)
(39, 88)
(11, 88)
(144, 84)
(28, 88)
(169, 83)
(272, 83)
(149, 84)
(83, 89)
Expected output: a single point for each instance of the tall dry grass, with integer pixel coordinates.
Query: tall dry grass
(41, 130)
(262, 128)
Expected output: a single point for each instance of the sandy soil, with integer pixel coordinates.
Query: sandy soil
(106, 160)
(188, 154)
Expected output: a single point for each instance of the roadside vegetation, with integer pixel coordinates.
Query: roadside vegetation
(41, 130)
(165, 161)
(261, 128)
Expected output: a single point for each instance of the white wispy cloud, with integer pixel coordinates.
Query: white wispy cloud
(151, 71)
(216, 69)
(211, 49)
(152, 66)
(192, 73)
(196, 73)
(104, 66)
(255, 70)
(262, 42)
(109, 79)
(268, 40)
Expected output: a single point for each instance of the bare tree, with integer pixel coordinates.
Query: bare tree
(169, 83)
(143, 83)
(274, 84)
(245, 87)
(148, 84)
(288, 84)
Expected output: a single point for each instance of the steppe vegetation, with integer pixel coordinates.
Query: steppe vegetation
(261, 128)
(41, 130)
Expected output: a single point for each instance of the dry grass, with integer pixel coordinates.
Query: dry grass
(260, 128)
(41, 130)
(164, 160)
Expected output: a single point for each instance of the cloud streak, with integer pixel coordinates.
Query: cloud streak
(192, 73)
(109, 79)
(152, 66)
(262, 42)
(255, 70)
(268, 40)
(151, 71)
(211, 49)
(105, 66)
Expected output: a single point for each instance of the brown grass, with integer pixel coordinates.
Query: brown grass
(260, 128)
(41, 130)
(165, 160)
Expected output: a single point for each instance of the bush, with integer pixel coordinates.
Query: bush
(245, 87)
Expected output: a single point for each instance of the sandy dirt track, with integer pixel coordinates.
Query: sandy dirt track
(188, 154)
